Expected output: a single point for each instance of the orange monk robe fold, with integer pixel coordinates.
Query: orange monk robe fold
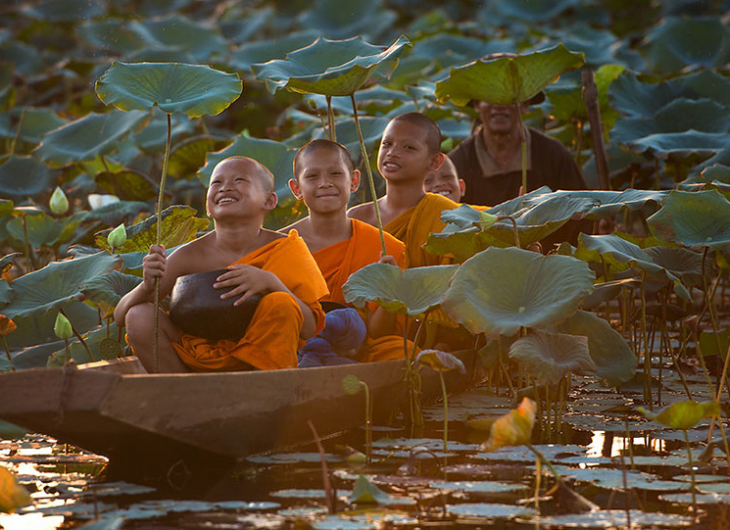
(337, 262)
(414, 225)
(272, 337)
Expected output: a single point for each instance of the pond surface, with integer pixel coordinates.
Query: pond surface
(634, 470)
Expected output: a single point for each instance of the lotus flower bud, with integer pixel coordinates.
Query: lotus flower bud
(62, 328)
(117, 237)
(59, 202)
(487, 220)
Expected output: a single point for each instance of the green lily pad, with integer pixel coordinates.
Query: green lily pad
(88, 137)
(551, 356)
(610, 352)
(192, 89)
(111, 35)
(183, 34)
(341, 522)
(616, 518)
(23, 176)
(64, 10)
(56, 284)
(293, 458)
(44, 229)
(490, 511)
(332, 68)
(36, 122)
(362, 17)
(487, 486)
(501, 290)
(119, 212)
(700, 218)
(178, 226)
(406, 292)
(128, 185)
(698, 498)
(266, 50)
(684, 414)
(681, 145)
(507, 80)
(188, 157)
(109, 288)
(305, 494)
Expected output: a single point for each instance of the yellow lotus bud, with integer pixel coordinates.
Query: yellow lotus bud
(62, 328)
(58, 202)
(117, 237)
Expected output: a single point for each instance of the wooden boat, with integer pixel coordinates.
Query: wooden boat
(120, 411)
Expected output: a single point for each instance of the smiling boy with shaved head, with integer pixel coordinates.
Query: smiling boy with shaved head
(259, 261)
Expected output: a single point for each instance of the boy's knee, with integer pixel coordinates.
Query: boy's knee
(283, 302)
(139, 321)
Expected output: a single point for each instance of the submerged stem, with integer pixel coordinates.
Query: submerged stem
(446, 409)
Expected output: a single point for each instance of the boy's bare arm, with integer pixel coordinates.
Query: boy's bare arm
(248, 280)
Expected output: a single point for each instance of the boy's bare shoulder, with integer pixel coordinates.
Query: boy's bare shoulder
(302, 226)
(362, 212)
(268, 236)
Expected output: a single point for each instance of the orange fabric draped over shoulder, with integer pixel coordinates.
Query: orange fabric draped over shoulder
(272, 337)
(414, 225)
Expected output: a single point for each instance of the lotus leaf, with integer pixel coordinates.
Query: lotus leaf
(128, 185)
(56, 284)
(551, 356)
(26, 59)
(94, 339)
(682, 263)
(44, 229)
(683, 414)
(37, 330)
(362, 17)
(678, 42)
(109, 288)
(192, 89)
(450, 50)
(712, 174)
(410, 292)
(242, 24)
(267, 50)
(22, 177)
(514, 428)
(507, 80)
(331, 68)
(698, 498)
(118, 212)
(700, 218)
(64, 10)
(178, 226)
(441, 361)
(372, 130)
(607, 203)
(680, 145)
(534, 10)
(499, 290)
(187, 158)
(88, 137)
(183, 34)
(365, 492)
(36, 123)
(111, 35)
(615, 519)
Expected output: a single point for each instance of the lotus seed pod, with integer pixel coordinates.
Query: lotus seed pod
(62, 327)
(58, 202)
(487, 220)
(117, 237)
(351, 384)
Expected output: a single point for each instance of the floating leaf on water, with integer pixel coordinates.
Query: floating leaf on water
(490, 511)
(341, 522)
(366, 492)
(105, 523)
(523, 454)
(307, 494)
(722, 488)
(698, 498)
(247, 506)
(293, 458)
(302, 512)
(477, 487)
(615, 518)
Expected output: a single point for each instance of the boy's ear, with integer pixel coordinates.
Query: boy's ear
(355, 181)
(436, 161)
(294, 187)
(271, 201)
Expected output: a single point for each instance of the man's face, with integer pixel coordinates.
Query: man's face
(445, 181)
(498, 119)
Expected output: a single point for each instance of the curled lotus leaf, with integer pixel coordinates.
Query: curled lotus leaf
(501, 290)
(407, 292)
(195, 90)
(507, 80)
(683, 414)
(329, 67)
(441, 361)
(109, 288)
(606, 203)
(551, 356)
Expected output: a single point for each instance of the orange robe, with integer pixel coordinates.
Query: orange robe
(414, 225)
(337, 262)
(272, 337)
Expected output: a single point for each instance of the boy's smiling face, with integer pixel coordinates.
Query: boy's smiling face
(445, 181)
(237, 187)
(404, 153)
(324, 180)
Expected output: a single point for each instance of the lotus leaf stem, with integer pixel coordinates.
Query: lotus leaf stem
(631, 442)
(446, 409)
(515, 232)
(17, 133)
(691, 471)
(7, 352)
(369, 170)
(545, 461)
(331, 133)
(28, 248)
(329, 494)
(645, 341)
(78, 336)
(523, 141)
(368, 424)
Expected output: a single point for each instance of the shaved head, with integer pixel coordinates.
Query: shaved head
(251, 167)
(322, 143)
(433, 133)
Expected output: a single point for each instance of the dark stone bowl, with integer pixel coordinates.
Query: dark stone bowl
(196, 308)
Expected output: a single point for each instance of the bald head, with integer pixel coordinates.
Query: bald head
(427, 125)
(250, 167)
(445, 181)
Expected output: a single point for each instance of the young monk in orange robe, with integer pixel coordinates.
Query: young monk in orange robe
(259, 261)
(409, 149)
(324, 177)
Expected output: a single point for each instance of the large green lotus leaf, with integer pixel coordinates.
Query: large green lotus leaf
(109, 288)
(179, 225)
(195, 90)
(23, 176)
(610, 352)
(37, 328)
(679, 42)
(711, 174)
(721, 158)
(241, 24)
(187, 158)
(406, 292)
(6, 208)
(501, 290)
(6, 294)
(683, 414)
(36, 122)
(88, 137)
(43, 229)
(507, 80)
(682, 263)
(681, 145)
(196, 38)
(128, 185)
(551, 356)
(462, 244)
(608, 203)
(111, 35)
(366, 18)
(276, 156)
(267, 50)
(703, 115)
(119, 212)
(65, 10)
(533, 10)
(636, 98)
(57, 284)
(615, 252)
(449, 49)
(329, 67)
(26, 59)
(698, 218)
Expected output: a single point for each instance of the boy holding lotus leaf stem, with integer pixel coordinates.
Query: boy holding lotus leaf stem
(409, 149)
(259, 262)
(324, 178)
